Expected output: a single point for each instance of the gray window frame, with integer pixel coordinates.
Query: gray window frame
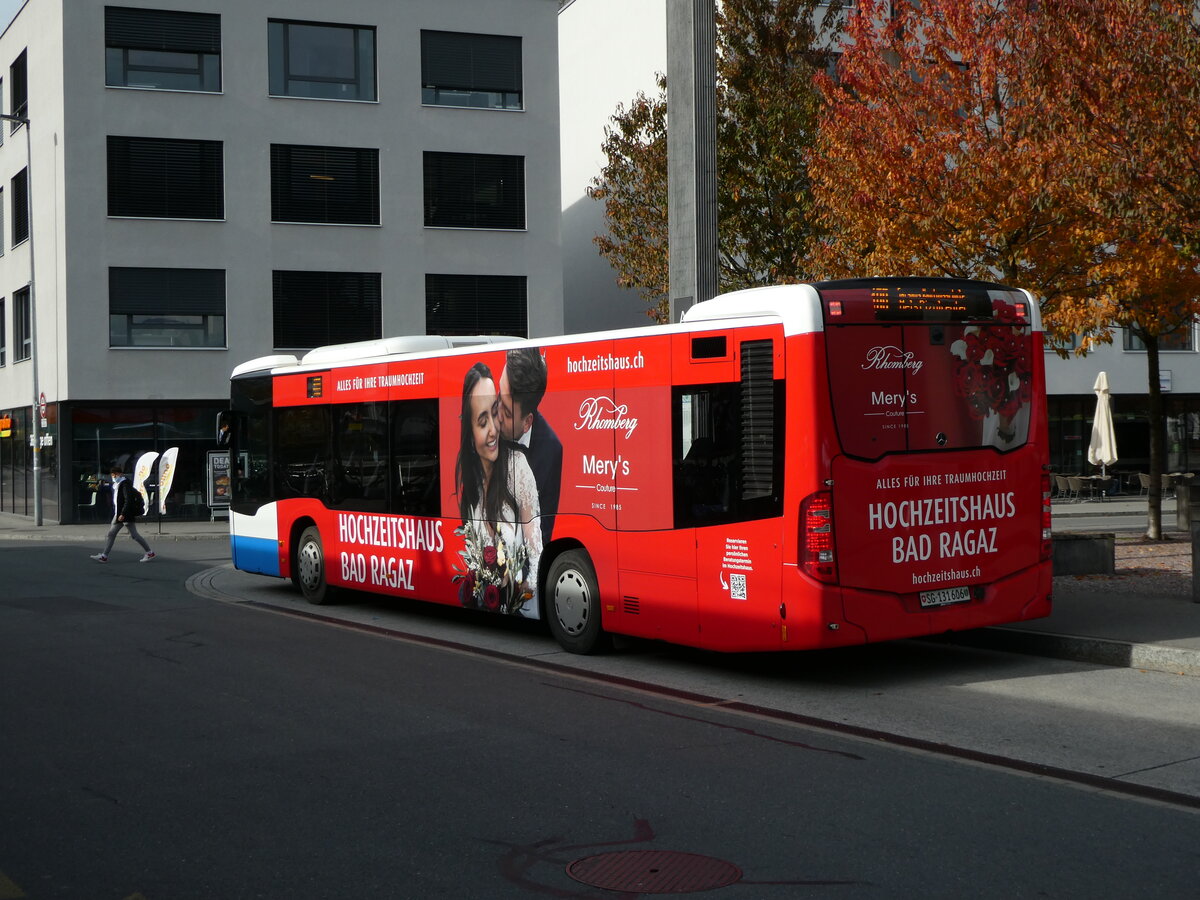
(282, 81)
(150, 301)
(474, 71)
(174, 45)
(22, 325)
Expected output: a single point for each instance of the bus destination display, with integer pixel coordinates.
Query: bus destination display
(897, 303)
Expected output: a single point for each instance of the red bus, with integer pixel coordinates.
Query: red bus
(789, 467)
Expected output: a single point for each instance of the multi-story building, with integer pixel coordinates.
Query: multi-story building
(596, 77)
(210, 181)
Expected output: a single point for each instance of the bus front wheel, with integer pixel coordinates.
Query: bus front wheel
(573, 606)
(309, 568)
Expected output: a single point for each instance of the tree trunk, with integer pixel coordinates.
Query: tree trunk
(1154, 418)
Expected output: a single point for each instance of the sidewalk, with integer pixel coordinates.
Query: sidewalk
(21, 528)
(1142, 617)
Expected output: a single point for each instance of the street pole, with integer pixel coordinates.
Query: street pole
(36, 409)
(691, 153)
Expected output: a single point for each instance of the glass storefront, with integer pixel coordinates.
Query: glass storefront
(102, 435)
(16, 463)
(1070, 420)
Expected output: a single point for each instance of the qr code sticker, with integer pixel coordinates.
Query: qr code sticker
(737, 587)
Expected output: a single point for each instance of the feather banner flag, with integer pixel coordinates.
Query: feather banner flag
(141, 472)
(166, 475)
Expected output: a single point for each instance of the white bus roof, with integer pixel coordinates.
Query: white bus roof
(797, 307)
(360, 351)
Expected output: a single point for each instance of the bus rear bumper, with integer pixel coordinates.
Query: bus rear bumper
(885, 617)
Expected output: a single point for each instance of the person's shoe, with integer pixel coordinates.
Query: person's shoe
(149, 555)
(99, 557)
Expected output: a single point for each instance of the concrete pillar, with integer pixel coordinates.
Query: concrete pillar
(692, 151)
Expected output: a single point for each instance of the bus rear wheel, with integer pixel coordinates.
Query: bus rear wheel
(309, 568)
(573, 603)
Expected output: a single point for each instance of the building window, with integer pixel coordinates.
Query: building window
(1179, 339)
(162, 50)
(18, 90)
(477, 70)
(324, 62)
(476, 304)
(326, 185)
(166, 307)
(20, 207)
(313, 309)
(1052, 343)
(3, 335)
(474, 190)
(1, 221)
(159, 178)
(23, 324)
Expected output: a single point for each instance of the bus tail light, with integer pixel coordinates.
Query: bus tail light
(1047, 540)
(817, 553)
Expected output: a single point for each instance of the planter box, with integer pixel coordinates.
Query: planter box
(1084, 554)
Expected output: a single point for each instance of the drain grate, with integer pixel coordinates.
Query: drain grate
(654, 872)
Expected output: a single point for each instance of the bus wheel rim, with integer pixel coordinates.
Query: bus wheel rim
(310, 566)
(571, 602)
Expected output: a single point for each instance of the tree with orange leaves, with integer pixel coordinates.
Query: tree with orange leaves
(1135, 111)
(1011, 141)
(934, 155)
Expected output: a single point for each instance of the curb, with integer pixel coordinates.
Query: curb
(99, 536)
(1079, 648)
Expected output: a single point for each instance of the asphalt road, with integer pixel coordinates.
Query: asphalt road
(171, 742)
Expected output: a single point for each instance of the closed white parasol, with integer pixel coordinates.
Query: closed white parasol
(1102, 451)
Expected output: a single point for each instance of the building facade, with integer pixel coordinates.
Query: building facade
(210, 181)
(596, 77)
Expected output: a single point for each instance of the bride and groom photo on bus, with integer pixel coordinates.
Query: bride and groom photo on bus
(507, 480)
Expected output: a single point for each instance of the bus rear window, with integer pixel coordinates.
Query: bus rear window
(930, 387)
(929, 300)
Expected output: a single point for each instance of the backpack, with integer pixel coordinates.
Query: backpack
(137, 503)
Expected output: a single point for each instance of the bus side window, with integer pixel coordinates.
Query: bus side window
(358, 478)
(416, 479)
(302, 451)
(704, 440)
(728, 445)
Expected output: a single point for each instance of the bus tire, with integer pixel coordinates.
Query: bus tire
(573, 603)
(309, 568)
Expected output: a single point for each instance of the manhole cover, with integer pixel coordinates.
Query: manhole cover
(654, 872)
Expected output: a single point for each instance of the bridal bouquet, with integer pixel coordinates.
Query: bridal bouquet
(493, 577)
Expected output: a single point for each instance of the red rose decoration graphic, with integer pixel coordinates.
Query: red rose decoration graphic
(993, 371)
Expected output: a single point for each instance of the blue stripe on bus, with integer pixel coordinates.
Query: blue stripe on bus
(251, 554)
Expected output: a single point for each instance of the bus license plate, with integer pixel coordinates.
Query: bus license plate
(945, 596)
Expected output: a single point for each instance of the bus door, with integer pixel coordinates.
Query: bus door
(727, 471)
(656, 561)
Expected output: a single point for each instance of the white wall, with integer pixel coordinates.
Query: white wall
(608, 51)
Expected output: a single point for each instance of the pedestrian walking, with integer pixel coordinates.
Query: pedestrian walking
(127, 506)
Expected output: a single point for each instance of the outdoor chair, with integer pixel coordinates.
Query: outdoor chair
(1064, 487)
(1080, 486)
(1144, 483)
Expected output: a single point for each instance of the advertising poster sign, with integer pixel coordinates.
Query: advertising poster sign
(218, 477)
